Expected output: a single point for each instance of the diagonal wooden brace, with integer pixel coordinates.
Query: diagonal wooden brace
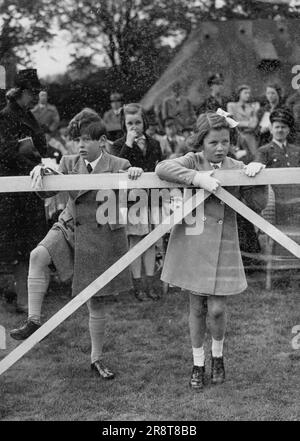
(259, 222)
(102, 280)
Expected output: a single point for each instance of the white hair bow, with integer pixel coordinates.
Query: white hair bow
(232, 123)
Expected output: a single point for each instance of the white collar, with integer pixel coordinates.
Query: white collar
(219, 164)
(95, 162)
(282, 145)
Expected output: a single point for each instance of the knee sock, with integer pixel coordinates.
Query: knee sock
(37, 288)
(217, 347)
(97, 330)
(198, 356)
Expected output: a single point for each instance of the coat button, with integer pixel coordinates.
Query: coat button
(220, 222)
(222, 202)
(204, 218)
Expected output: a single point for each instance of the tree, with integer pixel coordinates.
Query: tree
(22, 24)
(129, 35)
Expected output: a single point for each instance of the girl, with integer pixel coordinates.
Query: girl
(211, 267)
(141, 151)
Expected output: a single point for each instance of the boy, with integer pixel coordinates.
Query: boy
(77, 245)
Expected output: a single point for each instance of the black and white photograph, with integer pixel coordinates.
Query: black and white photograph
(149, 213)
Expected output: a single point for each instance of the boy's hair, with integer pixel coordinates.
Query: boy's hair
(132, 109)
(87, 122)
(205, 123)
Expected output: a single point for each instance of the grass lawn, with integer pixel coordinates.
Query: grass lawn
(148, 347)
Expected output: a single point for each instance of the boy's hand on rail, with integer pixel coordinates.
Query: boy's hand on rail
(253, 168)
(36, 175)
(134, 172)
(206, 181)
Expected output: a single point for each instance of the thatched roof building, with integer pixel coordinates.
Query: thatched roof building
(245, 51)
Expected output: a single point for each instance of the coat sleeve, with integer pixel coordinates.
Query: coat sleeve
(56, 119)
(125, 165)
(9, 148)
(262, 155)
(179, 170)
(10, 156)
(62, 168)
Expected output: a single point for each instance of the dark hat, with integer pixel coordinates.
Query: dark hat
(282, 115)
(28, 79)
(216, 78)
(116, 97)
(169, 122)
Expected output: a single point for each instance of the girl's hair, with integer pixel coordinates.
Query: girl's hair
(87, 122)
(204, 124)
(132, 109)
(240, 88)
(276, 87)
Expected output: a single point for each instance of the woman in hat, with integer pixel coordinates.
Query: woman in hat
(211, 268)
(22, 145)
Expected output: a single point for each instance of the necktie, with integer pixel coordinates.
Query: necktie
(215, 166)
(89, 168)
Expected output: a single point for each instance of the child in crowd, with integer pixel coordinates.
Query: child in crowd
(209, 265)
(141, 150)
(77, 245)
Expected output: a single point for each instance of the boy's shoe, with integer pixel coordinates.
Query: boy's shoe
(139, 291)
(101, 370)
(217, 370)
(150, 291)
(25, 330)
(152, 294)
(197, 378)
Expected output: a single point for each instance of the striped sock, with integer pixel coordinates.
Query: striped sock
(97, 330)
(37, 288)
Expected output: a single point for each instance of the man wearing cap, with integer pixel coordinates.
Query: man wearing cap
(179, 107)
(111, 118)
(172, 144)
(281, 153)
(46, 114)
(22, 145)
(216, 99)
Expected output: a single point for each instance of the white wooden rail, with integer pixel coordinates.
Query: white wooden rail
(147, 180)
